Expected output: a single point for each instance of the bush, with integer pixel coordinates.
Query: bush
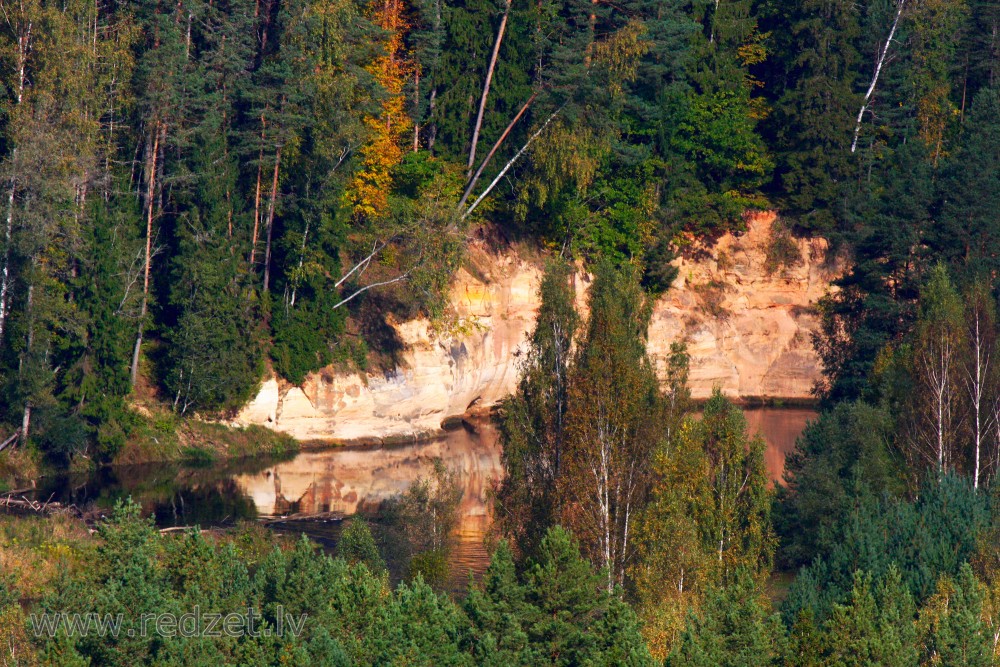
(782, 252)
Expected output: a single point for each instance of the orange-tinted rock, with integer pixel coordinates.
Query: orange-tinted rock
(748, 331)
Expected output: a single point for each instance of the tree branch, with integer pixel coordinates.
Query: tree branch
(373, 285)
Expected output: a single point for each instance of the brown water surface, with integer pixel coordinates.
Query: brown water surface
(348, 480)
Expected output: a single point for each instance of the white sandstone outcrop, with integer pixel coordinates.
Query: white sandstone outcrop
(748, 331)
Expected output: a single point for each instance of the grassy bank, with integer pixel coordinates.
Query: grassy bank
(165, 436)
(157, 435)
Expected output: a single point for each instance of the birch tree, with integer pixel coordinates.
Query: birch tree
(55, 134)
(978, 373)
(19, 20)
(937, 371)
(879, 64)
(613, 424)
(707, 519)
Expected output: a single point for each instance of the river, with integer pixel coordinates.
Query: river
(348, 480)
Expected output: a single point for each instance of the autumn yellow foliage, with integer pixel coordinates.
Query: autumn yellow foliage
(368, 192)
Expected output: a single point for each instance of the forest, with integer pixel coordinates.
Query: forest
(198, 192)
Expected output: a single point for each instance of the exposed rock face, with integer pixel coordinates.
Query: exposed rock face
(748, 331)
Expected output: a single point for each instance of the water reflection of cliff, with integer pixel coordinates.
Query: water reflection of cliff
(780, 428)
(351, 478)
(347, 479)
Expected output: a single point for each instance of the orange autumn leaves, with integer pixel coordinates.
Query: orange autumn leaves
(368, 193)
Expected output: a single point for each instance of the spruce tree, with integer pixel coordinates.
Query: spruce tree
(813, 118)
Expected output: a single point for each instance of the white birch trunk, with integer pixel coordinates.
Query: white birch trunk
(878, 71)
(23, 46)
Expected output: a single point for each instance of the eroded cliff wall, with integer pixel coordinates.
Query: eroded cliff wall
(748, 327)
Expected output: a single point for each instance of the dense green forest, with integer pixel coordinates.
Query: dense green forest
(628, 530)
(197, 190)
(194, 190)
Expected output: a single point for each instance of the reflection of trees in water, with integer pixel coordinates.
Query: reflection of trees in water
(216, 503)
(173, 494)
(161, 484)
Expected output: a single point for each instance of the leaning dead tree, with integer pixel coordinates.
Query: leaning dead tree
(506, 167)
(486, 87)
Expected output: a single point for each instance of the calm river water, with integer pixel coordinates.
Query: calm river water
(347, 479)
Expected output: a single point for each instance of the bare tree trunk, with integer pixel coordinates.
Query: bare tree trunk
(256, 196)
(996, 435)
(26, 415)
(878, 70)
(150, 193)
(975, 383)
(270, 220)
(5, 271)
(486, 88)
(416, 106)
(592, 26)
(489, 156)
(506, 168)
(938, 368)
(432, 130)
(302, 256)
(23, 45)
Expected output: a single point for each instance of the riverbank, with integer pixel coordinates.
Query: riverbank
(748, 325)
(158, 436)
(163, 436)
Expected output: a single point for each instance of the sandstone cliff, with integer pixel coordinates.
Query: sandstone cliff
(748, 326)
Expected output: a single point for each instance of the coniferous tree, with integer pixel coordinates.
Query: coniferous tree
(966, 235)
(876, 304)
(847, 454)
(952, 631)
(813, 115)
(877, 626)
(733, 628)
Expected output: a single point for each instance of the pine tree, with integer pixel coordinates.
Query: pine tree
(877, 627)
(733, 628)
(495, 609)
(952, 631)
(569, 610)
(813, 117)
